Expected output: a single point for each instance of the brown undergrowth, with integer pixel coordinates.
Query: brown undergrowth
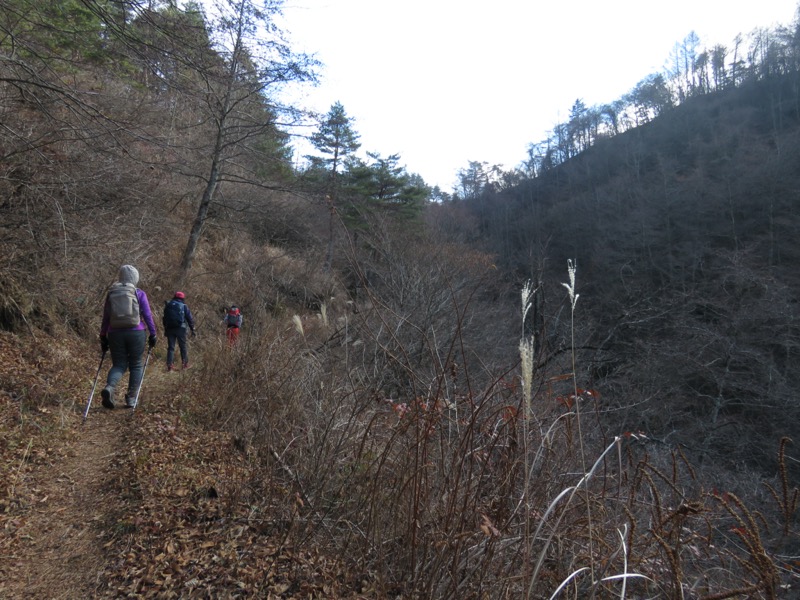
(189, 530)
(145, 505)
(282, 469)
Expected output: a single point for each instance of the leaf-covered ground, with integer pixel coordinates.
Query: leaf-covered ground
(142, 505)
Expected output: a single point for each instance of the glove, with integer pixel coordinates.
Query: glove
(152, 341)
(104, 343)
(193, 333)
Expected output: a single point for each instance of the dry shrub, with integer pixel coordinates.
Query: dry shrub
(466, 491)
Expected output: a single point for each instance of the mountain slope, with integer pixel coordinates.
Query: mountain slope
(684, 233)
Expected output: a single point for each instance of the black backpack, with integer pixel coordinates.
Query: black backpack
(174, 314)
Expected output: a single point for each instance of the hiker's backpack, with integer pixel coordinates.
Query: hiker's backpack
(174, 314)
(123, 306)
(232, 318)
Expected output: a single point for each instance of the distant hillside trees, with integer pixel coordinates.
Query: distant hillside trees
(684, 232)
(478, 177)
(692, 71)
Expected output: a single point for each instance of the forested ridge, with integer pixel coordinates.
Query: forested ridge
(683, 232)
(574, 378)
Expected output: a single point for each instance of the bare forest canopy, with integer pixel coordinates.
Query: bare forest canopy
(692, 69)
(390, 361)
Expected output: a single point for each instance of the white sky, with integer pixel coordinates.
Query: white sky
(445, 82)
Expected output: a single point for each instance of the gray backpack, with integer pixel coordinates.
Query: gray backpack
(123, 306)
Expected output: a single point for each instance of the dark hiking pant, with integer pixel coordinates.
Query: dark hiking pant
(126, 349)
(177, 334)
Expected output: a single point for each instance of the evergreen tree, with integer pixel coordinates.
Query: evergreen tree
(383, 185)
(336, 140)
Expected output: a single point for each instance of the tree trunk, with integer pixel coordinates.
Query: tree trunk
(216, 158)
(200, 219)
(329, 253)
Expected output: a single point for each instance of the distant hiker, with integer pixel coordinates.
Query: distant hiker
(233, 323)
(177, 318)
(126, 315)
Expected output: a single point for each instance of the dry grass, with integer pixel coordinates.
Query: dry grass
(382, 426)
(474, 494)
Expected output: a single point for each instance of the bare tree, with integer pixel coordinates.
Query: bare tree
(256, 61)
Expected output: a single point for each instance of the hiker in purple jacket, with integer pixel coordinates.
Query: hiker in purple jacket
(127, 319)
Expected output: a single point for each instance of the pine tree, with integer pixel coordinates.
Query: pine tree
(337, 140)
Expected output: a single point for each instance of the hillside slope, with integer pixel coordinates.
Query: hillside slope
(684, 234)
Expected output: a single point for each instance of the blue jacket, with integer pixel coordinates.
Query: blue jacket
(188, 319)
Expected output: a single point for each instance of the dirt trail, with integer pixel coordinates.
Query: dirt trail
(59, 554)
(135, 505)
(68, 501)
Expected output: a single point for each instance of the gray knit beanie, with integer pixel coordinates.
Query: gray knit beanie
(128, 274)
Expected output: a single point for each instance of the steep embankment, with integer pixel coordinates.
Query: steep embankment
(151, 504)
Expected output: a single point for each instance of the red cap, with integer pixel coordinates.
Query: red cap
(180, 295)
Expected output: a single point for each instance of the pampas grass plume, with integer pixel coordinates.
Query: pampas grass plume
(298, 325)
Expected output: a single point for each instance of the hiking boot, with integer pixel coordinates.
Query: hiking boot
(129, 402)
(170, 368)
(106, 395)
(186, 365)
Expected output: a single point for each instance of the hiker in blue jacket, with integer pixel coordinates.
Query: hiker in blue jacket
(177, 319)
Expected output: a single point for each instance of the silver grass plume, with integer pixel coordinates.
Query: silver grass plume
(571, 285)
(526, 348)
(323, 313)
(298, 325)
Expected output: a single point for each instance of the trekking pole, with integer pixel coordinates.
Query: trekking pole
(94, 387)
(141, 381)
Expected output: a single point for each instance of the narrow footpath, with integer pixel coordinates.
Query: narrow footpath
(64, 477)
(154, 504)
(70, 502)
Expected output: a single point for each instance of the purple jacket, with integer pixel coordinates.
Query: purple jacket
(146, 317)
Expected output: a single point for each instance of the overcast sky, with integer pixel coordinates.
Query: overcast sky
(445, 82)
